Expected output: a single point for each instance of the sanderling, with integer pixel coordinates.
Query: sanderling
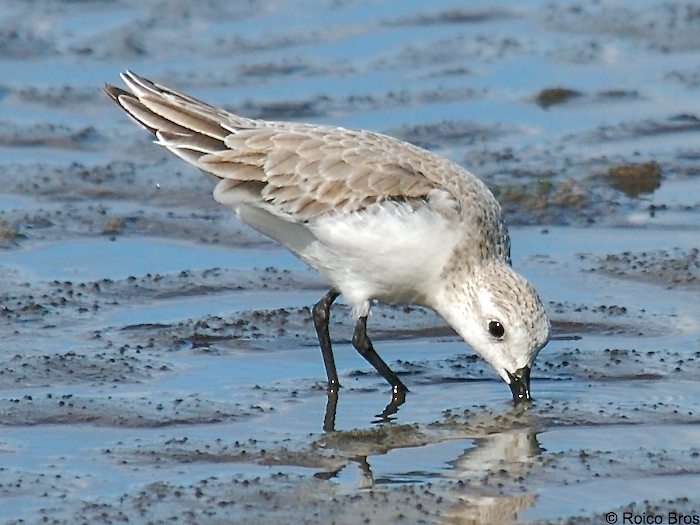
(379, 218)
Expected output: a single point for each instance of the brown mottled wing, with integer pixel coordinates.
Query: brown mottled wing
(299, 171)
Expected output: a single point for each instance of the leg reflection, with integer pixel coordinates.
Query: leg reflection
(398, 398)
(366, 478)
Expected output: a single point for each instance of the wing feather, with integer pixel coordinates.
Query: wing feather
(295, 171)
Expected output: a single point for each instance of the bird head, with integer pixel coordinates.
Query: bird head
(498, 313)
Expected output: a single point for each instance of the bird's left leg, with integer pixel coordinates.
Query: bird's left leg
(321, 314)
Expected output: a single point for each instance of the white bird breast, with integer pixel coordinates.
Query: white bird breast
(392, 251)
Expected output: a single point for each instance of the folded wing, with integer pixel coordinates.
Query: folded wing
(295, 171)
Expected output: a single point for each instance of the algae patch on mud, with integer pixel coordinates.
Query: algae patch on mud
(635, 179)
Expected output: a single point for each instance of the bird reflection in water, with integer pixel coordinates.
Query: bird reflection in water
(504, 446)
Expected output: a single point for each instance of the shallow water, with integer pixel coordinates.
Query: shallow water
(159, 362)
(114, 258)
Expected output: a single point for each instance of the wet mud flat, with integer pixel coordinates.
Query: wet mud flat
(159, 362)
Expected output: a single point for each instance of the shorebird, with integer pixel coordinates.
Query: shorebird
(378, 218)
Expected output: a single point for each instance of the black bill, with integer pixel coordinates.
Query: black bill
(520, 384)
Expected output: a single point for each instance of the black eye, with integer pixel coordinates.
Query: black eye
(496, 329)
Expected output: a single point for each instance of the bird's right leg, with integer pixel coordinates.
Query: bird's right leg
(364, 346)
(321, 314)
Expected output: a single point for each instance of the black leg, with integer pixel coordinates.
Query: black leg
(321, 313)
(363, 345)
(331, 409)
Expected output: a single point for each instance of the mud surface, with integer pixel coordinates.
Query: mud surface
(159, 363)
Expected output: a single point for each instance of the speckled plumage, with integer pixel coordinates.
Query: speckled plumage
(377, 217)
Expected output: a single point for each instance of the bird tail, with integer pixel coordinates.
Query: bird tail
(188, 127)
